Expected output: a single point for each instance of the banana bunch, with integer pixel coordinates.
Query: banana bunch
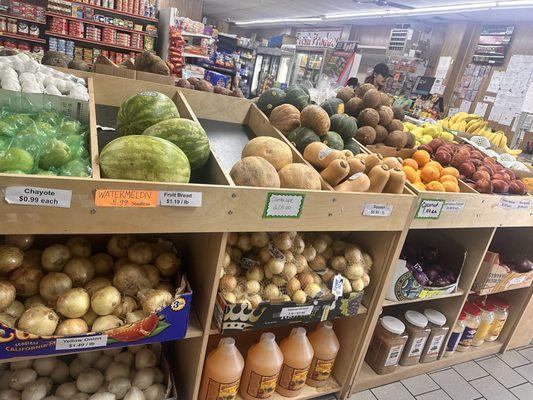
(461, 121)
(499, 139)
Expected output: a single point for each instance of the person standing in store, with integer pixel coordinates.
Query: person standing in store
(379, 75)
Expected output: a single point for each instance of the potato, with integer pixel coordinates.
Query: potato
(120, 262)
(105, 300)
(134, 394)
(105, 323)
(166, 286)
(34, 391)
(152, 273)
(9, 394)
(39, 320)
(145, 358)
(127, 305)
(168, 264)
(52, 397)
(10, 258)
(8, 320)
(23, 242)
(44, 366)
(79, 247)
(159, 376)
(26, 280)
(90, 317)
(89, 381)
(34, 301)
(140, 253)
(97, 283)
(32, 258)
(61, 372)
(116, 370)
(103, 362)
(49, 384)
(66, 390)
(7, 294)
(19, 378)
(77, 366)
(80, 270)
(4, 380)
(118, 245)
(89, 357)
(20, 364)
(80, 396)
(155, 392)
(136, 316)
(103, 264)
(131, 278)
(119, 387)
(103, 396)
(15, 310)
(53, 285)
(126, 357)
(55, 257)
(74, 303)
(72, 326)
(144, 378)
(113, 352)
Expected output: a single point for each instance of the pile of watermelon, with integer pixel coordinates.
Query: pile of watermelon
(156, 144)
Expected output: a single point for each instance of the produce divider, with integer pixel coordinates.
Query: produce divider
(229, 208)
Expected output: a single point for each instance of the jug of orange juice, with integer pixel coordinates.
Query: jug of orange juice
(297, 357)
(261, 370)
(326, 346)
(222, 372)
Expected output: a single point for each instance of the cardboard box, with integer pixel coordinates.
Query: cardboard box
(494, 277)
(114, 71)
(404, 285)
(168, 324)
(235, 318)
(155, 78)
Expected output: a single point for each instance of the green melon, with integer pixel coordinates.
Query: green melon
(16, 159)
(298, 96)
(143, 110)
(333, 106)
(351, 144)
(344, 125)
(301, 137)
(188, 135)
(270, 99)
(333, 140)
(144, 158)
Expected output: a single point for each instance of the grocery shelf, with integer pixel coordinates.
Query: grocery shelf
(309, 392)
(368, 378)
(117, 12)
(94, 42)
(194, 329)
(21, 18)
(192, 34)
(388, 303)
(97, 23)
(23, 37)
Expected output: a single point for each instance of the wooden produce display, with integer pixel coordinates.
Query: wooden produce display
(199, 229)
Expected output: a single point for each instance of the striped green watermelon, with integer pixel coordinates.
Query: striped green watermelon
(144, 110)
(144, 158)
(188, 135)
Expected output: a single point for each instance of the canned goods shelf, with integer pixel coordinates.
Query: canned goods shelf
(19, 17)
(23, 37)
(117, 12)
(95, 42)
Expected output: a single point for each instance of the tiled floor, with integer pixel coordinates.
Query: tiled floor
(506, 376)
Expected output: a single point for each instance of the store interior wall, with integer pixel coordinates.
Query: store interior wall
(192, 9)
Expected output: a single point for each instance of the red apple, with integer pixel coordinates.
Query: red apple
(480, 174)
(511, 173)
(476, 154)
(501, 176)
(443, 158)
(483, 186)
(499, 186)
(488, 159)
(425, 147)
(458, 159)
(436, 143)
(477, 163)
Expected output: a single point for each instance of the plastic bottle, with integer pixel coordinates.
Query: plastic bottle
(261, 370)
(222, 372)
(325, 346)
(297, 356)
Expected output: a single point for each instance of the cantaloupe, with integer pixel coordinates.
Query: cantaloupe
(372, 99)
(386, 115)
(365, 135)
(316, 118)
(255, 171)
(354, 106)
(369, 117)
(271, 149)
(299, 176)
(365, 87)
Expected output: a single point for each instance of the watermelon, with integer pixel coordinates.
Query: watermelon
(270, 99)
(298, 96)
(345, 125)
(301, 137)
(333, 140)
(144, 158)
(143, 110)
(188, 135)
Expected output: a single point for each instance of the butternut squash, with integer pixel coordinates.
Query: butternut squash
(335, 172)
(396, 181)
(356, 165)
(378, 175)
(347, 153)
(392, 162)
(371, 160)
(320, 155)
(355, 183)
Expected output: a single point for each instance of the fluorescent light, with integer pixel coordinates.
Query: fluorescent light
(515, 3)
(278, 20)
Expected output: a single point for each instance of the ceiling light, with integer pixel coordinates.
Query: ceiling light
(514, 3)
(278, 20)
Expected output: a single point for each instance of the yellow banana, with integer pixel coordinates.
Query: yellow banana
(503, 141)
(462, 126)
(471, 127)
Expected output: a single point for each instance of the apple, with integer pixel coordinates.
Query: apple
(480, 174)
(467, 169)
(510, 173)
(459, 158)
(499, 186)
(517, 187)
(435, 143)
(483, 186)
(477, 163)
(443, 157)
(501, 176)
(425, 147)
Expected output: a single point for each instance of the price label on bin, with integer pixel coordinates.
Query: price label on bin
(126, 198)
(283, 205)
(429, 209)
(36, 196)
(85, 342)
(180, 199)
(377, 210)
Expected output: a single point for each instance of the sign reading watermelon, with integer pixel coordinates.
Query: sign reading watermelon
(126, 198)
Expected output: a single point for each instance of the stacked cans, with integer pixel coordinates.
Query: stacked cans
(59, 25)
(109, 35)
(93, 32)
(75, 29)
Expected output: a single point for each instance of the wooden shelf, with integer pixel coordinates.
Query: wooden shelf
(117, 12)
(388, 303)
(97, 23)
(23, 37)
(19, 17)
(368, 378)
(309, 392)
(95, 42)
(194, 329)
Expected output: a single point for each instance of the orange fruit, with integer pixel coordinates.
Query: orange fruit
(450, 171)
(420, 186)
(448, 178)
(435, 186)
(411, 163)
(430, 173)
(435, 164)
(450, 186)
(421, 157)
(411, 174)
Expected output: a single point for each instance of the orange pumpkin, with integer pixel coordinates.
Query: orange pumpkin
(285, 117)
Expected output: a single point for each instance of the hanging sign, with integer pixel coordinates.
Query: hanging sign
(318, 38)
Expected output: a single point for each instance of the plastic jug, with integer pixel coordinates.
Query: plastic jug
(326, 346)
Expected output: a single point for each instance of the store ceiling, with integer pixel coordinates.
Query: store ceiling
(246, 10)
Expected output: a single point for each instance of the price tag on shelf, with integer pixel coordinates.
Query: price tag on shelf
(377, 210)
(429, 209)
(293, 312)
(180, 199)
(453, 206)
(35, 196)
(514, 204)
(283, 205)
(126, 198)
(84, 342)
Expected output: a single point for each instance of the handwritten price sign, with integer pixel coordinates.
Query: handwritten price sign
(126, 198)
(283, 205)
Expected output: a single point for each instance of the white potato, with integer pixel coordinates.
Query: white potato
(47, 382)
(126, 357)
(60, 373)
(134, 394)
(144, 378)
(80, 396)
(115, 370)
(19, 378)
(21, 364)
(145, 358)
(89, 381)
(66, 390)
(103, 362)
(44, 366)
(9, 394)
(76, 367)
(89, 357)
(119, 387)
(103, 396)
(155, 392)
(34, 391)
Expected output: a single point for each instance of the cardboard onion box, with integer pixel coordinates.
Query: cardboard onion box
(231, 318)
(494, 277)
(404, 286)
(168, 324)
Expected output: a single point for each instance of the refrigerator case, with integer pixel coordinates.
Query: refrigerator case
(307, 66)
(272, 67)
